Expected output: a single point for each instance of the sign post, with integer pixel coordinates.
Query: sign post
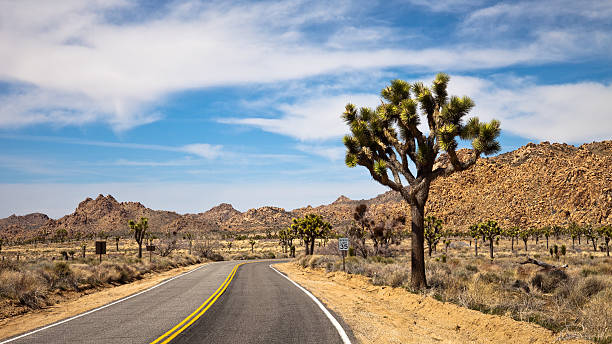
(343, 246)
(150, 248)
(100, 248)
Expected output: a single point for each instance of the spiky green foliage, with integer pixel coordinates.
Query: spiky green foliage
(386, 138)
(524, 234)
(605, 232)
(309, 228)
(140, 230)
(433, 232)
(490, 230)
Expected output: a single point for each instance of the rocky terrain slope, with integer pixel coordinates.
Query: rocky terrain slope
(535, 185)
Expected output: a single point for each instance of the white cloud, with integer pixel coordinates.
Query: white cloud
(328, 152)
(203, 150)
(447, 5)
(572, 113)
(312, 119)
(76, 66)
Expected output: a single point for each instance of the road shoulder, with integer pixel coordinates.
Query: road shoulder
(379, 314)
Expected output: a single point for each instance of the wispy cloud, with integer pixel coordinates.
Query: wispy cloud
(311, 119)
(573, 112)
(77, 64)
(332, 153)
(203, 150)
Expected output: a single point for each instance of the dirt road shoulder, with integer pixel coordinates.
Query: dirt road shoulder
(393, 315)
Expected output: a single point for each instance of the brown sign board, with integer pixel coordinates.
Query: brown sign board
(100, 247)
(150, 248)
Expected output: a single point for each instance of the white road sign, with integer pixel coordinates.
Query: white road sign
(343, 244)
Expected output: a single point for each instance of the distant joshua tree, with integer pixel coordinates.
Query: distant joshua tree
(491, 231)
(309, 228)
(386, 139)
(140, 230)
(360, 228)
(252, 243)
(433, 232)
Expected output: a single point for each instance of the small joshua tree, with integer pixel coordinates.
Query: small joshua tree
(475, 233)
(547, 232)
(359, 229)
(309, 228)
(433, 232)
(606, 233)
(591, 233)
(140, 231)
(491, 231)
(511, 233)
(252, 243)
(524, 235)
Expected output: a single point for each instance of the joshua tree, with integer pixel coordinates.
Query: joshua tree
(285, 237)
(574, 231)
(475, 232)
(1, 242)
(84, 246)
(491, 231)
(252, 243)
(591, 235)
(524, 235)
(385, 139)
(546, 231)
(61, 234)
(606, 233)
(511, 233)
(117, 243)
(189, 237)
(433, 231)
(309, 228)
(385, 233)
(360, 228)
(140, 229)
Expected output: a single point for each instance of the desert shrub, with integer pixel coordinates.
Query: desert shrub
(471, 268)
(596, 317)
(392, 275)
(548, 281)
(25, 287)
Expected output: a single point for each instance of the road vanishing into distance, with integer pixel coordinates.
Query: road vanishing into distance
(223, 302)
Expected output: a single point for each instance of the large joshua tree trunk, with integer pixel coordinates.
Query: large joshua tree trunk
(418, 279)
(417, 212)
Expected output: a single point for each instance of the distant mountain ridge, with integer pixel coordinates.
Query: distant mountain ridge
(535, 185)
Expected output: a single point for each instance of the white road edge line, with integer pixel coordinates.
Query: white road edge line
(101, 307)
(343, 335)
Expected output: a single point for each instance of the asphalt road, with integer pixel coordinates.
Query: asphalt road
(258, 306)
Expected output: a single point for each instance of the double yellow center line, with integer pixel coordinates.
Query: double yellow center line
(191, 318)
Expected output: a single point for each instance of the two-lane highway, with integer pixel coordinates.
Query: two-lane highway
(217, 303)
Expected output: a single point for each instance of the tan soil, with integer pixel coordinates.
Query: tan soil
(22, 323)
(393, 315)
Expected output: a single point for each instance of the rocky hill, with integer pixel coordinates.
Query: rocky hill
(535, 185)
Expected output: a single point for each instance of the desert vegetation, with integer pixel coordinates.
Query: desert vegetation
(569, 292)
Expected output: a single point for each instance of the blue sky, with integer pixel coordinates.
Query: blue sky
(185, 104)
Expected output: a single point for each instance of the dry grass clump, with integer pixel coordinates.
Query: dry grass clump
(31, 283)
(574, 301)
